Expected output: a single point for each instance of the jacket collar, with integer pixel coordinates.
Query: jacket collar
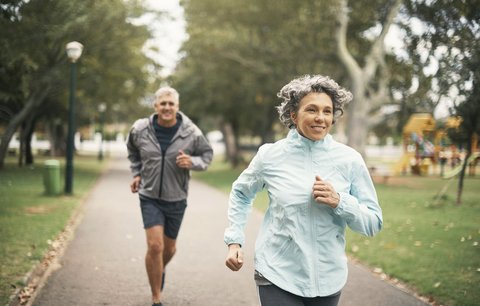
(184, 129)
(300, 141)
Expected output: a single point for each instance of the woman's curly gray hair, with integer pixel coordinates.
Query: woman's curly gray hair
(292, 93)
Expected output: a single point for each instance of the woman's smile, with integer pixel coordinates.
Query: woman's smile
(314, 117)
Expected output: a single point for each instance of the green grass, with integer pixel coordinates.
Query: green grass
(30, 220)
(431, 246)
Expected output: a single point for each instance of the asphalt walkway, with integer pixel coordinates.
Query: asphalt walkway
(104, 262)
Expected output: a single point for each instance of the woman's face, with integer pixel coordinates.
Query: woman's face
(314, 117)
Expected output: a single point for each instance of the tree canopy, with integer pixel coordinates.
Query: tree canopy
(239, 55)
(34, 68)
(236, 58)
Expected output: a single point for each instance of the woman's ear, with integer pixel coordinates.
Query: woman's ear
(293, 116)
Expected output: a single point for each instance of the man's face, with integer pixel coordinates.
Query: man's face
(166, 107)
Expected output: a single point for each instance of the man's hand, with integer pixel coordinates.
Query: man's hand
(135, 185)
(324, 193)
(184, 160)
(234, 259)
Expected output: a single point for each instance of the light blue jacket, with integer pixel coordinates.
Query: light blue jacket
(301, 243)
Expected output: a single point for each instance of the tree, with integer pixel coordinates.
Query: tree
(369, 74)
(237, 59)
(33, 36)
(451, 35)
(243, 53)
(469, 112)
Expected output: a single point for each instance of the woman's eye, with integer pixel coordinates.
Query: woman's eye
(310, 110)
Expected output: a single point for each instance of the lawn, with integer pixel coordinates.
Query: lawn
(30, 220)
(432, 246)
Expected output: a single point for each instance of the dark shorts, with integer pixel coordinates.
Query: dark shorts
(167, 214)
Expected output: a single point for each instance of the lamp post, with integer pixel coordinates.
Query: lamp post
(101, 109)
(74, 51)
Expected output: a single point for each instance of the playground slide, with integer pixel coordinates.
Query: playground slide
(403, 163)
(455, 171)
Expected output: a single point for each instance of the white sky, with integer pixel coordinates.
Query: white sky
(169, 33)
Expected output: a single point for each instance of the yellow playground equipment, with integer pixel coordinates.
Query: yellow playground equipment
(425, 145)
(418, 149)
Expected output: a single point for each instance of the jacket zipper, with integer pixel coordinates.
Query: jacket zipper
(161, 174)
(312, 223)
(164, 152)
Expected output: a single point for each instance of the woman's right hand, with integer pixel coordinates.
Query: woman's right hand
(234, 259)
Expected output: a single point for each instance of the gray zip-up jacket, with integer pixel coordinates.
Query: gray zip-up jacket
(161, 177)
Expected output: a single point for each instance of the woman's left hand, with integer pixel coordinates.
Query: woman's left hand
(324, 193)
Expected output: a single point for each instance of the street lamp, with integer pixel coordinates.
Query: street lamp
(74, 51)
(101, 109)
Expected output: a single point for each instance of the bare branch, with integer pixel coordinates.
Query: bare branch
(341, 36)
(377, 52)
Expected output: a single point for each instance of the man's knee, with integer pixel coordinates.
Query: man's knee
(156, 247)
(155, 241)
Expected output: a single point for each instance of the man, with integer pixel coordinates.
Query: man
(162, 150)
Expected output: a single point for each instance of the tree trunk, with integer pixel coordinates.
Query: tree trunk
(340, 128)
(267, 134)
(363, 77)
(29, 160)
(33, 101)
(231, 148)
(461, 178)
(26, 154)
(56, 136)
(358, 117)
(21, 147)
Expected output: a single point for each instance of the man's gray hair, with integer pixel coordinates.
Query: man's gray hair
(167, 91)
(292, 93)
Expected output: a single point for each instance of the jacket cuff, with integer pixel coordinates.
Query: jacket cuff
(342, 208)
(231, 237)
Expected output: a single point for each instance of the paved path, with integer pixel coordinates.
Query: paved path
(104, 265)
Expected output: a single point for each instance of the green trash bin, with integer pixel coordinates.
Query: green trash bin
(51, 177)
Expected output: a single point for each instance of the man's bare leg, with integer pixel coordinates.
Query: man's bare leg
(169, 249)
(154, 259)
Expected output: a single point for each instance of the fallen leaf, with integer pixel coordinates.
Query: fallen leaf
(377, 270)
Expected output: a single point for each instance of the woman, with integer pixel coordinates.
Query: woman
(316, 187)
